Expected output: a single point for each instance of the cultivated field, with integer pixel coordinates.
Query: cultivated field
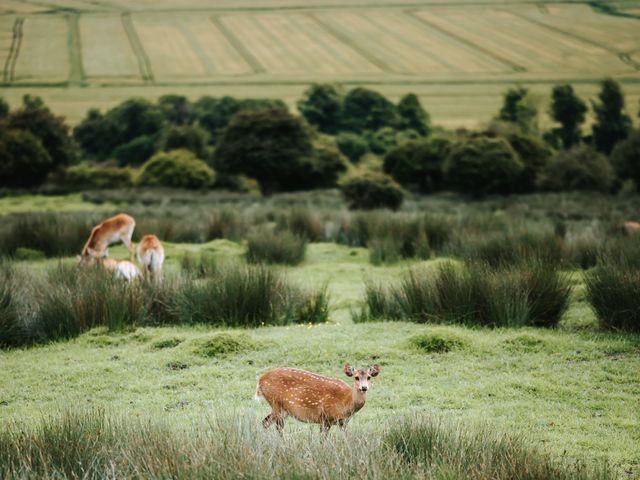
(110, 50)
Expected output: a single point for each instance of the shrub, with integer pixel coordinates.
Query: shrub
(364, 109)
(418, 164)
(534, 154)
(302, 223)
(25, 162)
(412, 115)
(321, 105)
(612, 290)
(282, 247)
(199, 266)
(97, 177)
(625, 157)
(533, 294)
(224, 344)
(247, 296)
(136, 151)
(580, 168)
(271, 146)
(352, 145)
(482, 165)
(382, 140)
(179, 168)
(187, 137)
(226, 223)
(372, 190)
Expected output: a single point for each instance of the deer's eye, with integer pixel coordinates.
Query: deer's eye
(368, 378)
(357, 378)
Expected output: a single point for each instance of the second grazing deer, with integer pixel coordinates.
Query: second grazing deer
(314, 398)
(112, 230)
(151, 256)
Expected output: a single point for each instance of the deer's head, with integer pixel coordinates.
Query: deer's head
(361, 378)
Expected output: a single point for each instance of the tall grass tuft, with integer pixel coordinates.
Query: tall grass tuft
(302, 223)
(90, 444)
(281, 247)
(198, 266)
(478, 294)
(613, 290)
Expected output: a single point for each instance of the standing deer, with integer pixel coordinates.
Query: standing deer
(313, 398)
(151, 256)
(112, 230)
(122, 269)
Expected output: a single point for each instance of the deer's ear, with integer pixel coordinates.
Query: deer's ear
(348, 370)
(374, 370)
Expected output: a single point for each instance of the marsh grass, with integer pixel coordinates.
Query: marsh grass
(477, 294)
(612, 290)
(200, 265)
(90, 444)
(276, 248)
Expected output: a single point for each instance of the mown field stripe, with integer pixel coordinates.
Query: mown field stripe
(331, 30)
(195, 45)
(76, 68)
(514, 66)
(624, 57)
(236, 43)
(138, 49)
(8, 72)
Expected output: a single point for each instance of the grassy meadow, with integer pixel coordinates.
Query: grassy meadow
(458, 58)
(451, 401)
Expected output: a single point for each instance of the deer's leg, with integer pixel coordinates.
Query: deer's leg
(343, 424)
(126, 239)
(274, 417)
(324, 427)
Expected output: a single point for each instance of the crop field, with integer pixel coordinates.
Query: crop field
(111, 50)
(569, 392)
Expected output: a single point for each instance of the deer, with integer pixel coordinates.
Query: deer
(112, 230)
(313, 398)
(151, 256)
(122, 269)
(631, 227)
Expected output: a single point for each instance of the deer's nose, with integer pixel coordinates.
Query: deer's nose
(364, 388)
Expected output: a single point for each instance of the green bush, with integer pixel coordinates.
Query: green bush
(321, 105)
(625, 157)
(25, 162)
(372, 190)
(580, 168)
(364, 109)
(352, 145)
(179, 168)
(481, 165)
(136, 151)
(532, 294)
(418, 164)
(613, 288)
(534, 154)
(187, 137)
(86, 176)
(281, 247)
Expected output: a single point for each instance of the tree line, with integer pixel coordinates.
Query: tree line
(372, 147)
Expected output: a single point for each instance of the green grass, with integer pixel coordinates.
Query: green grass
(522, 380)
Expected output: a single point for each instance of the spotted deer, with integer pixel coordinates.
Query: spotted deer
(122, 269)
(151, 256)
(313, 398)
(112, 230)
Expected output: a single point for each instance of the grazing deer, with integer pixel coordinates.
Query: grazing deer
(112, 230)
(632, 227)
(123, 269)
(313, 398)
(151, 256)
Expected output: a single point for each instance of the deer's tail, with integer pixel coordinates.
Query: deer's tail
(258, 394)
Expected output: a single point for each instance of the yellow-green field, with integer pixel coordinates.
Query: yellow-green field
(459, 57)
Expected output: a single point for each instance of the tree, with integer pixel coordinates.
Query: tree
(24, 162)
(96, 135)
(134, 118)
(268, 145)
(51, 130)
(568, 110)
(482, 165)
(352, 145)
(365, 109)
(321, 105)
(178, 169)
(581, 168)
(612, 124)
(418, 164)
(518, 109)
(534, 154)
(625, 157)
(4, 108)
(412, 115)
(190, 137)
(176, 109)
(136, 151)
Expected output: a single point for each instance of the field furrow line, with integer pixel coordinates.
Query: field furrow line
(143, 60)
(8, 72)
(187, 33)
(622, 56)
(237, 44)
(513, 66)
(76, 68)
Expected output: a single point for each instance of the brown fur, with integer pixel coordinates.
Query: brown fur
(312, 398)
(101, 235)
